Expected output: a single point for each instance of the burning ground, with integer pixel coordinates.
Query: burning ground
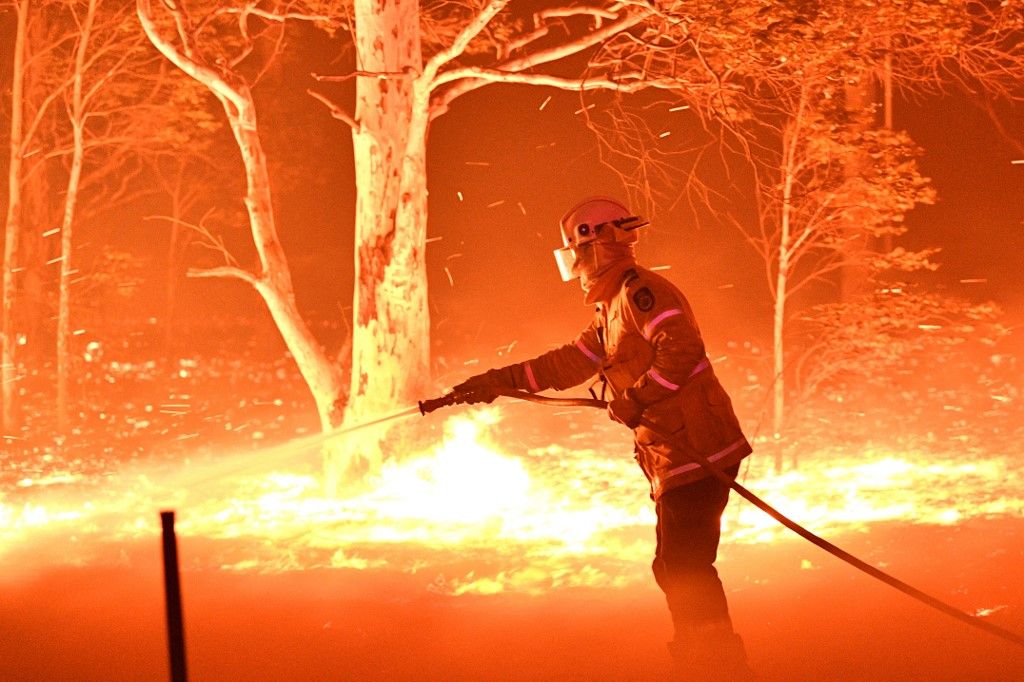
(514, 543)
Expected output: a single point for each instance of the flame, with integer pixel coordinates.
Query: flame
(456, 482)
(470, 516)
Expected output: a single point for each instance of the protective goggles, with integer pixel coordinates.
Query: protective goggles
(565, 257)
(583, 233)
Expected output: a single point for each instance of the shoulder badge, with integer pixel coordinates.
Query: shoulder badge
(644, 299)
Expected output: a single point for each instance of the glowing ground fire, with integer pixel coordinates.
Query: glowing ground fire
(491, 517)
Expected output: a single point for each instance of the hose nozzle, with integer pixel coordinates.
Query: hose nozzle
(431, 404)
(462, 398)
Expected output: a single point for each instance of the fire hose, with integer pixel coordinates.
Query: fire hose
(427, 406)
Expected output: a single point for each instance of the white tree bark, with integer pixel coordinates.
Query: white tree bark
(397, 95)
(785, 263)
(273, 282)
(76, 115)
(12, 225)
(391, 322)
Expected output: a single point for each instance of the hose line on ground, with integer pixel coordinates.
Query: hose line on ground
(832, 549)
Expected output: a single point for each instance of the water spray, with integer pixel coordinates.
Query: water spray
(286, 451)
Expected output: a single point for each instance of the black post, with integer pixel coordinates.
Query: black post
(172, 598)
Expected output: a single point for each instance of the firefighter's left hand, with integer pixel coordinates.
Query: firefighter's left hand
(626, 411)
(484, 388)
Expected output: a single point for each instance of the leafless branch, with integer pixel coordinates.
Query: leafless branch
(380, 75)
(226, 272)
(524, 40)
(564, 12)
(336, 111)
(209, 240)
(280, 17)
(462, 40)
(1009, 138)
(184, 58)
(630, 82)
(467, 83)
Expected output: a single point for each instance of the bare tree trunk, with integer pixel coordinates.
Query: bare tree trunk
(390, 336)
(790, 146)
(171, 293)
(273, 282)
(76, 113)
(33, 309)
(887, 243)
(854, 273)
(12, 226)
(779, 313)
(64, 293)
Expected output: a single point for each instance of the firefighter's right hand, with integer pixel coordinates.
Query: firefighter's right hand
(484, 388)
(626, 411)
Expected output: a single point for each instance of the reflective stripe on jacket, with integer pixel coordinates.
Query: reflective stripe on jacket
(645, 342)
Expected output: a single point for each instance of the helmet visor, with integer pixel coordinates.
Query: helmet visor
(566, 260)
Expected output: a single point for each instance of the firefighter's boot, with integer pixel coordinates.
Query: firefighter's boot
(709, 653)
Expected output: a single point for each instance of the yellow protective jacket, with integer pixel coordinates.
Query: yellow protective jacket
(645, 344)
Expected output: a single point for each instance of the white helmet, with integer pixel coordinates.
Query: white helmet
(596, 221)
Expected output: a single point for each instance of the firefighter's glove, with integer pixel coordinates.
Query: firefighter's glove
(626, 411)
(484, 388)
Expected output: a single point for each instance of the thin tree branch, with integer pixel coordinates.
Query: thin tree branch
(380, 75)
(458, 46)
(279, 17)
(543, 56)
(183, 60)
(635, 80)
(556, 52)
(225, 271)
(565, 12)
(209, 241)
(336, 111)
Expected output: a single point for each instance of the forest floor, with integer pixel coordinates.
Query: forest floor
(542, 575)
(106, 622)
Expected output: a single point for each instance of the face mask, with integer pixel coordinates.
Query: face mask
(600, 266)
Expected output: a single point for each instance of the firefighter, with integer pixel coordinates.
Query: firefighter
(645, 344)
